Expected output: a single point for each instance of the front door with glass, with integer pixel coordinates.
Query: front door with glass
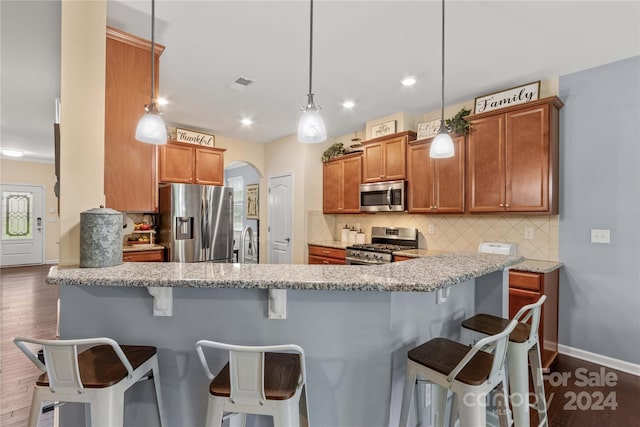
(22, 225)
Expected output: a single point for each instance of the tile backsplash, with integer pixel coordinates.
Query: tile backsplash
(451, 232)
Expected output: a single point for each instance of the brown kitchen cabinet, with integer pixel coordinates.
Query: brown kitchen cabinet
(385, 159)
(189, 164)
(155, 255)
(512, 159)
(130, 178)
(398, 258)
(326, 255)
(526, 288)
(435, 185)
(341, 179)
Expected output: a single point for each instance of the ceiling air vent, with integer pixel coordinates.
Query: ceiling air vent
(241, 83)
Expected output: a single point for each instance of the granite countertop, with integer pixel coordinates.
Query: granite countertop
(537, 266)
(141, 247)
(417, 275)
(336, 244)
(418, 253)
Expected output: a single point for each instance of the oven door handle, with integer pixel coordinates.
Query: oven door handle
(389, 197)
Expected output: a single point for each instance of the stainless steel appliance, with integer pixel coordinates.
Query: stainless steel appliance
(384, 241)
(196, 222)
(383, 196)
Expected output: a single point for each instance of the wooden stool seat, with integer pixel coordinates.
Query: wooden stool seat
(442, 355)
(281, 375)
(101, 367)
(491, 325)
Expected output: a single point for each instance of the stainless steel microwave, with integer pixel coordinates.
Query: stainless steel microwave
(387, 196)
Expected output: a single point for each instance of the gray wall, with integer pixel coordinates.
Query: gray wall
(600, 188)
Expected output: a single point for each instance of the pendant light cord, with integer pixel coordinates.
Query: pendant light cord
(311, 48)
(442, 99)
(153, 62)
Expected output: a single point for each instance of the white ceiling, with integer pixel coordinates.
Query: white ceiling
(362, 49)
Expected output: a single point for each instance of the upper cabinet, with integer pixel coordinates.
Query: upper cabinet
(191, 164)
(512, 159)
(341, 184)
(435, 185)
(385, 157)
(130, 179)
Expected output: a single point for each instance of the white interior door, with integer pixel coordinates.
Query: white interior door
(22, 225)
(280, 216)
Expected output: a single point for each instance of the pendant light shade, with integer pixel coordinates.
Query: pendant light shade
(151, 128)
(311, 128)
(442, 144)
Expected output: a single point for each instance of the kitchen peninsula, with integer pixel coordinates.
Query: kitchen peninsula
(354, 322)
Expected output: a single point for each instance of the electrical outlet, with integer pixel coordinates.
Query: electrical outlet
(432, 229)
(528, 233)
(600, 236)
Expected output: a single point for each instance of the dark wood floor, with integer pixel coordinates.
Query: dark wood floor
(582, 399)
(29, 310)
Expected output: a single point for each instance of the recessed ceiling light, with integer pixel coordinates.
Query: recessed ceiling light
(409, 81)
(246, 122)
(348, 104)
(163, 101)
(12, 153)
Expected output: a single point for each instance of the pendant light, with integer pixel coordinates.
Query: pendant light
(442, 144)
(151, 128)
(311, 127)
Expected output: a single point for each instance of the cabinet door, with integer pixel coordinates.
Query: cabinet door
(420, 178)
(449, 177)
(176, 164)
(485, 165)
(395, 159)
(527, 160)
(372, 170)
(351, 178)
(130, 180)
(332, 186)
(518, 299)
(209, 166)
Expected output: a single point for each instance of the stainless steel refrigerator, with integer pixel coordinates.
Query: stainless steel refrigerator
(196, 222)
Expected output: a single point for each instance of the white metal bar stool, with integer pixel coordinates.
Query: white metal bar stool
(98, 375)
(470, 373)
(266, 380)
(523, 341)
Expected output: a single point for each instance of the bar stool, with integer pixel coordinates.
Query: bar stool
(266, 380)
(523, 341)
(470, 373)
(98, 375)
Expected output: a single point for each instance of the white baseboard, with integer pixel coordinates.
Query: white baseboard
(610, 362)
(52, 261)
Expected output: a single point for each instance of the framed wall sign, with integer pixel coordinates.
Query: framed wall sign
(428, 130)
(383, 129)
(252, 198)
(514, 96)
(197, 138)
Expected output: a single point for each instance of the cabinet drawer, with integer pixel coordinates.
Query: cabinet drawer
(325, 261)
(144, 256)
(398, 258)
(525, 280)
(322, 251)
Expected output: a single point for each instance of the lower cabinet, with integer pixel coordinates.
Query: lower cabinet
(526, 288)
(326, 255)
(156, 255)
(397, 258)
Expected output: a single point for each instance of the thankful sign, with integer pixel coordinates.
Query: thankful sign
(198, 138)
(506, 98)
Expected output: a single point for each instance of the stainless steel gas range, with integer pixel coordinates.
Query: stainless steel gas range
(384, 241)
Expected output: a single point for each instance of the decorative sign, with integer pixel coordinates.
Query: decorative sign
(429, 129)
(383, 129)
(252, 201)
(197, 138)
(506, 98)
